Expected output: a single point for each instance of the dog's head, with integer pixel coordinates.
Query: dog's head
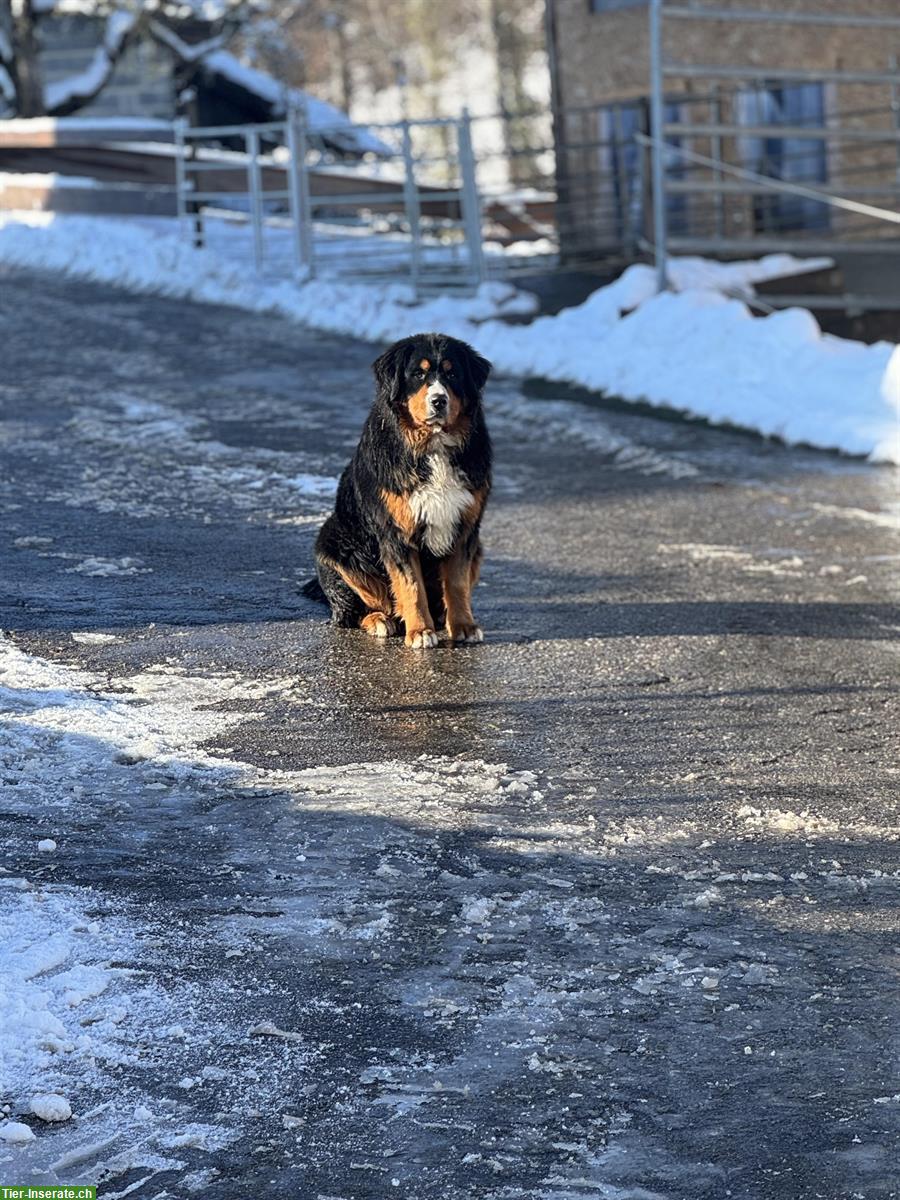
(431, 382)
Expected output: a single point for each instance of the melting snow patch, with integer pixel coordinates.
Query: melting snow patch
(42, 1038)
(477, 911)
(50, 1106)
(807, 825)
(106, 568)
(705, 899)
(16, 1133)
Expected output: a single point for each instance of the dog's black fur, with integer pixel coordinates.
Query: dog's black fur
(403, 541)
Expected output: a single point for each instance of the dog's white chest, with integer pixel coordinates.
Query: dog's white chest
(438, 503)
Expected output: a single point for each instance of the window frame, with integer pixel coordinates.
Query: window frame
(597, 8)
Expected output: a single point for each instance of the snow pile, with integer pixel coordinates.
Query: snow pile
(50, 1106)
(691, 272)
(53, 965)
(706, 355)
(51, 710)
(137, 257)
(694, 350)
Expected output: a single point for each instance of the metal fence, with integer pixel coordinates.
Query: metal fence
(711, 159)
(409, 211)
(819, 176)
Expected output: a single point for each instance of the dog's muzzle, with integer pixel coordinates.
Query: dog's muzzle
(437, 401)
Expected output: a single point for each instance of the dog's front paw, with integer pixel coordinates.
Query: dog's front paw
(465, 633)
(421, 639)
(378, 624)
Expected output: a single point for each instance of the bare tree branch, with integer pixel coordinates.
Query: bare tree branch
(187, 52)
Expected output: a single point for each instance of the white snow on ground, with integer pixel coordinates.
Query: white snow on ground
(695, 350)
(181, 451)
(53, 964)
(73, 1008)
(706, 274)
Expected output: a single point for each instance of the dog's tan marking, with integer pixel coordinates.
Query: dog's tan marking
(401, 514)
(475, 568)
(373, 592)
(417, 406)
(411, 602)
(476, 508)
(446, 365)
(425, 365)
(378, 624)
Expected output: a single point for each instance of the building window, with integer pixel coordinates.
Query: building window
(623, 162)
(601, 6)
(797, 159)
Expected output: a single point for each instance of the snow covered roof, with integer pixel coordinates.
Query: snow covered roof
(322, 118)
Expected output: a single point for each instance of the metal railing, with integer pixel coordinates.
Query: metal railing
(715, 192)
(700, 164)
(412, 211)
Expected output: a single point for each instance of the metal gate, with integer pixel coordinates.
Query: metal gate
(409, 210)
(731, 206)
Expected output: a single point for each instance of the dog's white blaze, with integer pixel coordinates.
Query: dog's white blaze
(438, 504)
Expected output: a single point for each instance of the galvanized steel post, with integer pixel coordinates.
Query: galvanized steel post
(411, 205)
(298, 191)
(471, 205)
(657, 122)
(180, 180)
(895, 103)
(254, 180)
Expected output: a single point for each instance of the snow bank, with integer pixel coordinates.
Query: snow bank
(705, 354)
(694, 350)
(130, 255)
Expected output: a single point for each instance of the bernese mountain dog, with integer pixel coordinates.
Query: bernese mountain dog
(402, 545)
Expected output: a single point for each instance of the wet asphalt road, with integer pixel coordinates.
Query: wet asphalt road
(606, 907)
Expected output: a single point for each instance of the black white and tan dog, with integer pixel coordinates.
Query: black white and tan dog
(402, 545)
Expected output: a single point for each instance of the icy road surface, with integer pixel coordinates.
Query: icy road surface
(604, 908)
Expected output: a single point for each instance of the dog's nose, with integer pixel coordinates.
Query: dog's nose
(437, 402)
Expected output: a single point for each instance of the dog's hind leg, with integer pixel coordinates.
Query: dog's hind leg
(346, 607)
(357, 599)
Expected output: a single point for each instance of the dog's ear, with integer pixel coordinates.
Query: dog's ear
(478, 368)
(389, 371)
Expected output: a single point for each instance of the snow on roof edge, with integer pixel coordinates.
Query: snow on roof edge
(321, 116)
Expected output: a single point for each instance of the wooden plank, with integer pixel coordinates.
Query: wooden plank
(43, 132)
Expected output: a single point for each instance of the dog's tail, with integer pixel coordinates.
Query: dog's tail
(312, 590)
